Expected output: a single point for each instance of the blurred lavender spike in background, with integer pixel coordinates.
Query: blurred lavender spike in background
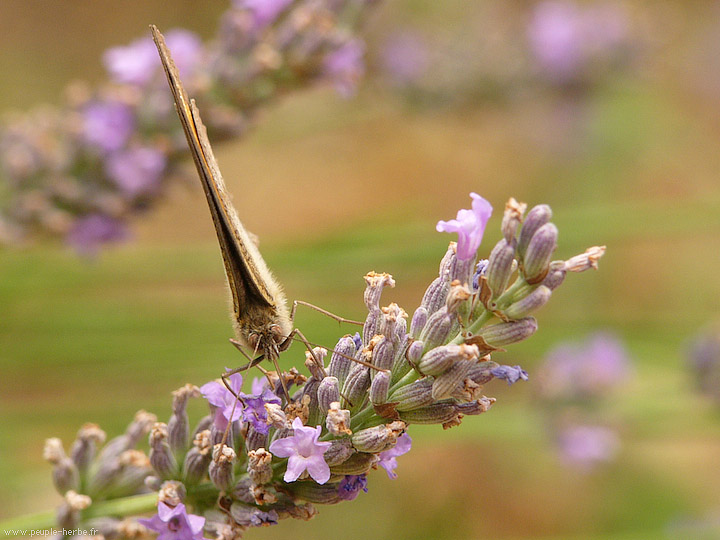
(116, 147)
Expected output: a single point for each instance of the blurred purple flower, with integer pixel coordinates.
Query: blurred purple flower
(254, 411)
(351, 485)
(107, 125)
(388, 458)
(511, 374)
(470, 227)
(565, 37)
(345, 66)
(264, 11)
(136, 170)
(89, 232)
(227, 406)
(405, 58)
(175, 523)
(138, 62)
(305, 453)
(704, 359)
(587, 370)
(588, 445)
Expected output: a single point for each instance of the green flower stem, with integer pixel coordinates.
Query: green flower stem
(30, 522)
(474, 327)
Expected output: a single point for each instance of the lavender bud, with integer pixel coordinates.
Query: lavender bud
(328, 391)
(506, 333)
(512, 218)
(413, 396)
(462, 270)
(445, 384)
(555, 276)
(414, 352)
(375, 284)
(83, 450)
(310, 394)
(221, 467)
(585, 261)
(437, 413)
(153, 483)
(172, 493)
(400, 364)
(316, 493)
(476, 407)
(358, 463)
(536, 218)
(340, 450)
(500, 266)
(435, 295)
(65, 473)
(276, 417)
(370, 327)
(530, 303)
(539, 251)
(481, 372)
(439, 359)
(340, 360)
(251, 516)
(379, 438)
(356, 385)
(315, 362)
(391, 317)
(448, 261)
(205, 423)
(197, 459)
(419, 321)
(68, 515)
(178, 426)
(338, 420)
(400, 335)
(161, 458)
(254, 439)
(258, 466)
(457, 296)
(379, 388)
(383, 353)
(438, 328)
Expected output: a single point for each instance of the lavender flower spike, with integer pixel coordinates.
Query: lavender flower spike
(305, 453)
(470, 226)
(175, 523)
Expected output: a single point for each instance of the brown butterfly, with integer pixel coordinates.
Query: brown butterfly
(260, 314)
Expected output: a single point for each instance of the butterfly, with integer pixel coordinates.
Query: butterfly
(260, 315)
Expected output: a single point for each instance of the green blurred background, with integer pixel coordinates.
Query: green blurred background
(335, 188)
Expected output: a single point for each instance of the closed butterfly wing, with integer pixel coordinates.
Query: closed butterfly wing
(259, 309)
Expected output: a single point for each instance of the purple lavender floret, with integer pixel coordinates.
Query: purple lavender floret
(511, 374)
(388, 458)
(470, 227)
(254, 411)
(227, 407)
(175, 523)
(351, 485)
(305, 453)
